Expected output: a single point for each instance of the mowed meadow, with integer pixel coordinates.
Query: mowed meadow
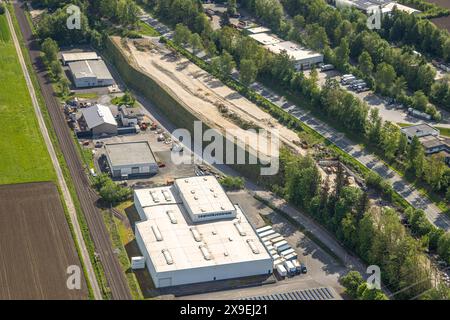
(23, 154)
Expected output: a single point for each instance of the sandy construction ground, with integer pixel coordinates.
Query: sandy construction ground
(200, 92)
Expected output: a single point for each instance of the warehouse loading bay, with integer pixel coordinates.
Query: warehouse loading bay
(323, 270)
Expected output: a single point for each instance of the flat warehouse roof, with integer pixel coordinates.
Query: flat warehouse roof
(90, 69)
(157, 196)
(78, 56)
(258, 30)
(204, 195)
(265, 38)
(294, 50)
(173, 242)
(132, 153)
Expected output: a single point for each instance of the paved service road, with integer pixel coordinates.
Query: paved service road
(411, 195)
(65, 190)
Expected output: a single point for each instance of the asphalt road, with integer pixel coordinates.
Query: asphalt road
(406, 190)
(113, 271)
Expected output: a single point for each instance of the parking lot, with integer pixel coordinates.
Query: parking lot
(387, 111)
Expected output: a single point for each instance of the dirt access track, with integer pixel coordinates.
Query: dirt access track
(36, 246)
(200, 92)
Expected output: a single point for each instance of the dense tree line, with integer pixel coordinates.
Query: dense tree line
(235, 49)
(375, 234)
(357, 288)
(96, 17)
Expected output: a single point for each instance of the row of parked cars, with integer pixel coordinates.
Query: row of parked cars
(354, 83)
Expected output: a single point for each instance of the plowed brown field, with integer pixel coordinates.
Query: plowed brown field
(36, 246)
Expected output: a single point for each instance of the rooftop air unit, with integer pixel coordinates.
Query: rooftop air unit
(157, 233)
(205, 252)
(167, 256)
(197, 236)
(155, 198)
(167, 195)
(240, 229)
(172, 217)
(253, 246)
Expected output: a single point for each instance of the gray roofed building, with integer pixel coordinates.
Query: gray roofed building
(419, 130)
(129, 160)
(90, 73)
(100, 120)
(69, 57)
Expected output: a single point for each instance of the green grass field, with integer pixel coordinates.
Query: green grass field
(23, 155)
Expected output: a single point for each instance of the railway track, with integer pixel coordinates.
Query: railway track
(113, 271)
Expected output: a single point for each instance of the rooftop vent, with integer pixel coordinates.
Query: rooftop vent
(195, 198)
(193, 191)
(197, 236)
(167, 256)
(253, 246)
(202, 210)
(157, 233)
(154, 196)
(205, 252)
(167, 195)
(240, 229)
(172, 217)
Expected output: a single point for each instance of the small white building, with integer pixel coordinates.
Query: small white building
(419, 131)
(302, 57)
(184, 244)
(131, 160)
(90, 73)
(69, 57)
(265, 38)
(130, 116)
(99, 120)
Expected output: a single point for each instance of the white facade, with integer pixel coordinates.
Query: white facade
(128, 160)
(100, 120)
(302, 57)
(205, 199)
(179, 251)
(90, 73)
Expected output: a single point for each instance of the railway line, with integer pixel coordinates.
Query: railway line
(114, 275)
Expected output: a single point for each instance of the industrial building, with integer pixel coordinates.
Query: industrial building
(191, 233)
(419, 131)
(130, 116)
(265, 38)
(366, 6)
(99, 120)
(90, 73)
(131, 160)
(78, 56)
(302, 57)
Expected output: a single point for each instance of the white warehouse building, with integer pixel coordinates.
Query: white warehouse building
(90, 73)
(191, 233)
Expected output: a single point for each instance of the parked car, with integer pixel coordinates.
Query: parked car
(326, 67)
(347, 80)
